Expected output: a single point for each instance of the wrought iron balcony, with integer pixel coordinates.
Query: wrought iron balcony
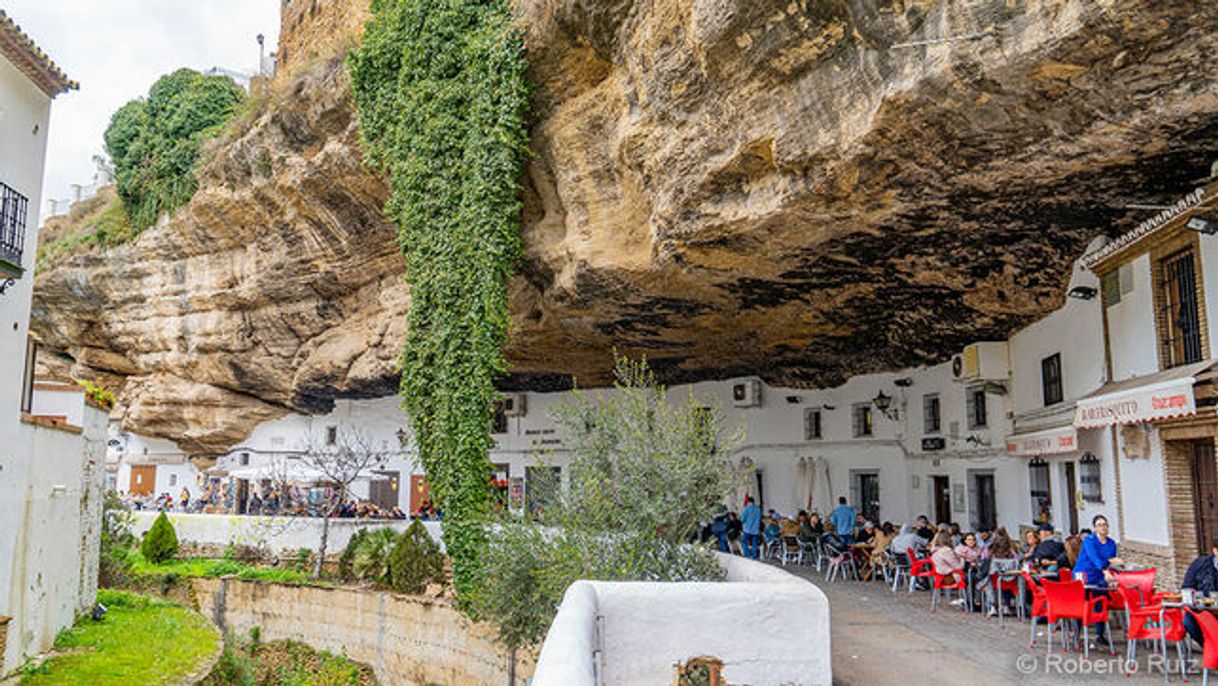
(14, 207)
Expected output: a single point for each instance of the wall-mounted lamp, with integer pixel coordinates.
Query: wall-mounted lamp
(1082, 292)
(883, 403)
(1208, 227)
(403, 437)
(794, 399)
(903, 382)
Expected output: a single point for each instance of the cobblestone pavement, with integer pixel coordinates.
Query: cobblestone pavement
(884, 638)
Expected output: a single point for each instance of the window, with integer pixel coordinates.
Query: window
(930, 413)
(976, 408)
(1038, 480)
(245, 459)
(812, 424)
(1110, 286)
(1178, 320)
(499, 423)
(1051, 379)
(27, 388)
(331, 435)
(173, 480)
(1089, 478)
(862, 419)
(865, 493)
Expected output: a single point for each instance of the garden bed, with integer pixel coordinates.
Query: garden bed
(285, 662)
(141, 640)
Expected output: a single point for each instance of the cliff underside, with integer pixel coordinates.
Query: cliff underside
(798, 190)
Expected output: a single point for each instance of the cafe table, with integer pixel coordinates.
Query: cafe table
(1173, 601)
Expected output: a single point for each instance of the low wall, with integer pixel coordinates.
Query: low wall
(767, 626)
(406, 640)
(279, 534)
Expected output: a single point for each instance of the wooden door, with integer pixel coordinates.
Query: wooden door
(143, 479)
(419, 492)
(1205, 494)
(1071, 496)
(942, 498)
(383, 492)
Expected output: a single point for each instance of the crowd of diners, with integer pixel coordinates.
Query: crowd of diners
(985, 565)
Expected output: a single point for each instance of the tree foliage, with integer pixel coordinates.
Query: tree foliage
(154, 142)
(442, 97)
(160, 544)
(416, 561)
(644, 473)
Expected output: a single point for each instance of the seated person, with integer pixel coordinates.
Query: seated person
(1070, 548)
(944, 556)
(1202, 577)
(772, 530)
(1048, 549)
(811, 529)
(924, 529)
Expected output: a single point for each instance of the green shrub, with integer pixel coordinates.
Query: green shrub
(415, 561)
(371, 561)
(117, 541)
(347, 559)
(160, 544)
(154, 142)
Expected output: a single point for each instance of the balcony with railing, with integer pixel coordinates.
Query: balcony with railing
(14, 207)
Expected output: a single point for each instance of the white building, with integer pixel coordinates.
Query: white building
(50, 467)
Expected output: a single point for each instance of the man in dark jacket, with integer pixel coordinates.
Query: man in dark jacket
(1202, 577)
(1049, 549)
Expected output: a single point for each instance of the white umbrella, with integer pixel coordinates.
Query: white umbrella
(822, 489)
(807, 476)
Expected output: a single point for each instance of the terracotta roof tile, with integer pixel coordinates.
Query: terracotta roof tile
(21, 50)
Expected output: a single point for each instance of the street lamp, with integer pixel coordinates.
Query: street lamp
(883, 403)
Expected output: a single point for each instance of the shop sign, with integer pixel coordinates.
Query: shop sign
(1049, 442)
(935, 443)
(1164, 401)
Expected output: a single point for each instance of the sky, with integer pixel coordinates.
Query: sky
(116, 49)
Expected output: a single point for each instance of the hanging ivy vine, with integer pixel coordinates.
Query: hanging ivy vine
(442, 97)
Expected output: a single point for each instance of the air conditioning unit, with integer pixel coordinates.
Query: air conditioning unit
(988, 361)
(514, 405)
(746, 393)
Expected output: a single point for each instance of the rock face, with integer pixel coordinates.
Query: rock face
(799, 190)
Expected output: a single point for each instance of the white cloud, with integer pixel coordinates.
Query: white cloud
(118, 48)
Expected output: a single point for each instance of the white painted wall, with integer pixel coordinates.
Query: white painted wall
(1208, 255)
(279, 534)
(1131, 328)
(767, 626)
(24, 117)
(64, 402)
(1145, 495)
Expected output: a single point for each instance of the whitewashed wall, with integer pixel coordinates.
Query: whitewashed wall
(24, 117)
(279, 534)
(1145, 495)
(1131, 329)
(767, 626)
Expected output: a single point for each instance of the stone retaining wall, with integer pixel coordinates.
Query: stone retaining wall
(406, 640)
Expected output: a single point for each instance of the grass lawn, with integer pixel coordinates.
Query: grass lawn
(140, 641)
(199, 567)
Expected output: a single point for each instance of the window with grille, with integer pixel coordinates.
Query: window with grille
(811, 424)
(930, 413)
(499, 422)
(1110, 287)
(1089, 478)
(331, 435)
(862, 419)
(1051, 379)
(977, 418)
(13, 210)
(1179, 323)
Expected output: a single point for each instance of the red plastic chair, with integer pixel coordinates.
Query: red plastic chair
(1068, 600)
(1144, 626)
(1064, 574)
(1142, 582)
(1002, 587)
(1209, 657)
(948, 582)
(919, 568)
(1038, 608)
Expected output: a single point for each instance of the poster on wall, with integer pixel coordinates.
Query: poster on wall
(958, 502)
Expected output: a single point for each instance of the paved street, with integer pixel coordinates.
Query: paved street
(879, 637)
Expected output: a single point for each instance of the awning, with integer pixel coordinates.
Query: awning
(1148, 398)
(1054, 441)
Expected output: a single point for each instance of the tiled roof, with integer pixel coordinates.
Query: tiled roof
(31, 60)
